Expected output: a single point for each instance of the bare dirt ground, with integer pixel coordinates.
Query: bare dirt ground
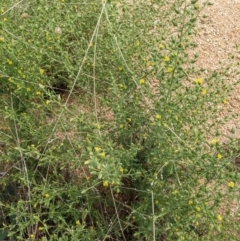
(217, 37)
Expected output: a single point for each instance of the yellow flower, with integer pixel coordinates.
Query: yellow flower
(204, 91)
(137, 43)
(219, 217)
(5, 19)
(158, 117)
(219, 156)
(121, 169)
(169, 70)
(47, 102)
(214, 141)
(120, 68)
(31, 236)
(38, 93)
(28, 89)
(9, 61)
(46, 195)
(41, 71)
(231, 184)
(198, 209)
(102, 155)
(156, 202)
(161, 46)
(10, 80)
(175, 192)
(91, 44)
(190, 202)
(141, 81)
(98, 126)
(2, 39)
(77, 222)
(166, 58)
(97, 149)
(198, 81)
(224, 101)
(105, 183)
(40, 228)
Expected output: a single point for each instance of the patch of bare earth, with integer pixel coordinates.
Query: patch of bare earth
(218, 36)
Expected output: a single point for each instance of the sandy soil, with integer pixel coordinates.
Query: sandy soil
(217, 37)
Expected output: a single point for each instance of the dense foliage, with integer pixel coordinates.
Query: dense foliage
(108, 129)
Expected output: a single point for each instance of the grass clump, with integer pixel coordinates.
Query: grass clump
(111, 132)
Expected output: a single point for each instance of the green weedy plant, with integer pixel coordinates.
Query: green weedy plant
(111, 132)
